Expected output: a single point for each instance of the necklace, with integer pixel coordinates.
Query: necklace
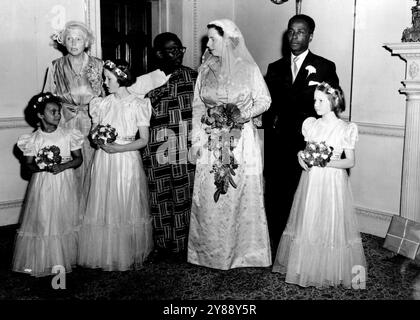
(76, 65)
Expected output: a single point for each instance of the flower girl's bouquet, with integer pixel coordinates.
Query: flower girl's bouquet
(47, 157)
(317, 154)
(223, 133)
(103, 134)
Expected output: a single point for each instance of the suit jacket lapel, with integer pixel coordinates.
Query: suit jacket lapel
(303, 73)
(287, 71)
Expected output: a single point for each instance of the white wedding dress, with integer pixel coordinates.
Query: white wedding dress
(231, 232)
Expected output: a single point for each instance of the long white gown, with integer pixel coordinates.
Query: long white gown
(232, 232)
(47, 236)
(321, 245)
(116, 233)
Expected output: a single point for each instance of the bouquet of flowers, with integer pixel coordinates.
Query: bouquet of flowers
(103, 134)
(223, 132)
(94, 77)
(317, 154)
(223, 176)
(47, 157)
(222, 117)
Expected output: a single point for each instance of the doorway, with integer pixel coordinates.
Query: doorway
(126, 32)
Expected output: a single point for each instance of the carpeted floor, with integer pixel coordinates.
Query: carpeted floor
(389, 277)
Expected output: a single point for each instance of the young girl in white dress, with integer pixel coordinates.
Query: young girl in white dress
(321, 245)
(116, 232)
(48, 233)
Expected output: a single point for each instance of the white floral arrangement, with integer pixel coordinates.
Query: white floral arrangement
(311, 69)
(115, 69)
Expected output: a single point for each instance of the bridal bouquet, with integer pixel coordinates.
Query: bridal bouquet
(103, 134)
(222, 117)
(223, 133)
(47, 157)
(317, 154)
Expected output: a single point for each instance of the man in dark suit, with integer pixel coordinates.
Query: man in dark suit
(292, 81)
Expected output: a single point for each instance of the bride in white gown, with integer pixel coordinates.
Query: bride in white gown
(229, 231)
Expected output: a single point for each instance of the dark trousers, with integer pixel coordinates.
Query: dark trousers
(282, 173)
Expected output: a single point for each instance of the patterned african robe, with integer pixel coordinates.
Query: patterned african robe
(169, 172)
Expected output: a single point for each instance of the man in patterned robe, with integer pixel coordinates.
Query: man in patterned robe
(170, 174)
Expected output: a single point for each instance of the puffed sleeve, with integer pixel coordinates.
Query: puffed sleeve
(306, 126)
(95, 109)
(351, 135)
(76, 139)
(26, 143)
(143, 112)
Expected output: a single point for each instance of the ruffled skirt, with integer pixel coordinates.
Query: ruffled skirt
(321, 245)
(116, 232)
(48, 233)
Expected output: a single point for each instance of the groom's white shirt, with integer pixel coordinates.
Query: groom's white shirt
(300, 60)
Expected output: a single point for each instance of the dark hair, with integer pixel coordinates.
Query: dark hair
(37, 105)
(121, 69)
(303, 17)
(335, 95)
(218, 29)
(162, 38)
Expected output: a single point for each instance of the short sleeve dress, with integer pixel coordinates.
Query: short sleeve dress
(116, 232)
(321, 243)
(48, 233)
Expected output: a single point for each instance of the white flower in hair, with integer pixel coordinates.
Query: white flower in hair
(311, 69)
(110, 64)
(57, 36)
(331, 90)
